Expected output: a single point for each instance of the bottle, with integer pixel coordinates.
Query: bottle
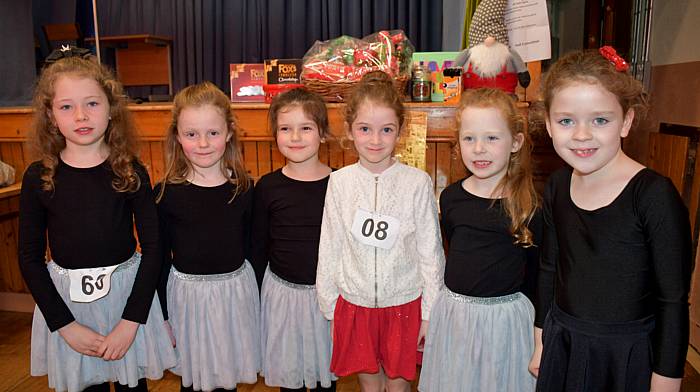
(420, 84)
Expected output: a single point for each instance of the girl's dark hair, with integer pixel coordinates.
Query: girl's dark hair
(311, 103)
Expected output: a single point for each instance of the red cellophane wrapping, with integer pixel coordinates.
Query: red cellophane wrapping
(331, 68)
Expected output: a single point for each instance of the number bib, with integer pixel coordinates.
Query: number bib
(90, 284)
(374, 229)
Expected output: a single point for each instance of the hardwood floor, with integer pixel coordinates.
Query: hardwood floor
(14, 364)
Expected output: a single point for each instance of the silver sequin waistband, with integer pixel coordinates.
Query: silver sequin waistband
(210, 277)
(482, 300)
(290, 284)
(134, 260)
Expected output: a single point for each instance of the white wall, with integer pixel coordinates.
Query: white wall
(675, 33)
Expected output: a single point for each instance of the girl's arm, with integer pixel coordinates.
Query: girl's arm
(534, 366)
(32, 252)
(247, 200)
(166, 248)
(147, 227)
(142, 202)
(532, 254)
(431, 254)
(329, 251)
(544, 295)
(667, 231)
(548, 258)
(260, 232)
(32, 264)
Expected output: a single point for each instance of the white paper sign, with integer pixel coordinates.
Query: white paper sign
(527, 23)
(90, 284)
(374, 229)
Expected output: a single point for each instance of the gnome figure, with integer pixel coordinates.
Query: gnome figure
(489, 62)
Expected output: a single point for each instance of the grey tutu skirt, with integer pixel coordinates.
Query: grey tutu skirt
(478, 344)
(296, 342)
(215, 320)
(68, 370)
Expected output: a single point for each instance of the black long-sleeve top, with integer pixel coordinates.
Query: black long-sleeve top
(621, 262)
(203, 231)
(287, 226)
(482, 259)
(89, 225)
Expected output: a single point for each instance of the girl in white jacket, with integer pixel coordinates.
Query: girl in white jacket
(381, 260)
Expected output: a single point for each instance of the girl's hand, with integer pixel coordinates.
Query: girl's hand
(332, 331)
(82, 339)
(534, 366)
(421, 334)
(170, 332)
(661, 383)
(117, 343)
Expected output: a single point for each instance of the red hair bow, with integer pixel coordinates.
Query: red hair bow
(609, 53)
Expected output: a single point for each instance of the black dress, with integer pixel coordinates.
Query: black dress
(613, 287)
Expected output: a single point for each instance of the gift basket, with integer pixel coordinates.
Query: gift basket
(332, 68)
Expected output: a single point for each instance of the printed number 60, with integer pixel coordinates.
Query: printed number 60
(368, 229)
(89, 288)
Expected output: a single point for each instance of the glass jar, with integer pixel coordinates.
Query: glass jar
(420, 84)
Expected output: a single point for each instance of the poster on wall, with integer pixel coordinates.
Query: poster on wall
(527, 23)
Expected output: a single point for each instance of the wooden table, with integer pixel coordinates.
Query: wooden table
(141, 60)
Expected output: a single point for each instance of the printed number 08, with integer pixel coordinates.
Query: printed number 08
(368, 229)
(89, 288)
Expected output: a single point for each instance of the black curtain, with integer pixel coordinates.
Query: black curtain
(208, 35)
(17, 66)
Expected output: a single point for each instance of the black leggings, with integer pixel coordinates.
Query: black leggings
(142, 387)
(317, 389)
(189, 389)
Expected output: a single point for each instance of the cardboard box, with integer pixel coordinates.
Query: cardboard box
(452, 81)
(283, 71)
(247, 82)
(438, 57)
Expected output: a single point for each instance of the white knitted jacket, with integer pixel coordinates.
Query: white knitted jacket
(374, 277)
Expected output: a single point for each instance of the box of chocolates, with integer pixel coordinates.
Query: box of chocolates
(283, 71)
(247, 82)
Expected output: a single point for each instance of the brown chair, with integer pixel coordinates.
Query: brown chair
(61, 34)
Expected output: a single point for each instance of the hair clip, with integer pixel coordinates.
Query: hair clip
(67, 51)
(609, 53)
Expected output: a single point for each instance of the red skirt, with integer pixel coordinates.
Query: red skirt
(366, 338)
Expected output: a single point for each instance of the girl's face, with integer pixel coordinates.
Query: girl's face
(203, 133)
(585, 122)
(80, 111)
(298, 137)
(486, 143)
(374, 133)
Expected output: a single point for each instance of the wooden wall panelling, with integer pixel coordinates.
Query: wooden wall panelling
(667, 155)
(335, 155)
(443, 159)
(694, 201)
(278, 160)
(250, 158)
(13, 154)
(264, 158)
(323, 153)
(10, 277)
(430, 161)
(157, 160)
(145, 157)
